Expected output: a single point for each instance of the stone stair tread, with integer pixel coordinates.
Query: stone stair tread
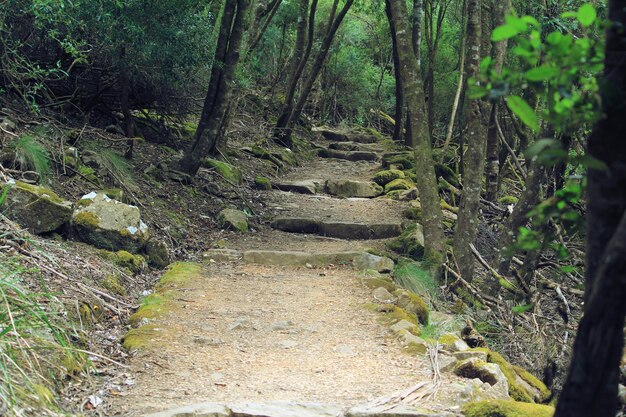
(313, 186)
(295, 409)
(348, 155)
(338, 229)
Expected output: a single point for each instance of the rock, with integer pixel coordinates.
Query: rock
(222, 255)
(199, 410)
(38, 209)
(384, 177)
(126, 260)
(410, 242)
(227, 171)
(233, 219)
(347, 155)
(506, 408)
(375, 282)
(453, 343)
(397, 411)
(349, 188)
(447, 363)
(287, 344)
(412, 304)
(158, 256)
(285, 409)
(487, 372)
(381, 295)
(401, 184)
(404, 325)
(416, 343)
(344, 136)
(342, 230)
(377, 263)
(262, 183)
(8, 124)
(408, 195)
(345, 146)
(402, 160)
(302, 187)
(291, 258)
(109, 224)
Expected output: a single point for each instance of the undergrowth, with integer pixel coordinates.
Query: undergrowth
(31, 155)
(36, 349)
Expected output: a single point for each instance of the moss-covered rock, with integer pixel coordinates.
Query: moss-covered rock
(233, 219)
(386, 176)
(158, 256)
(506, 408)
(402, 159)
(447, 174)
(413, 213)
(227, 171)
(399, 184)
(376, 282)
(410, 242)
(413, 304)
(262, 183)
(109, 224)
(523, 386)
(38, 209)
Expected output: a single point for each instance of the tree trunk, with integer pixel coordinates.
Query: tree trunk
(125, 92)
(591, 385)
(474, 158)
(318, 63)
(399, 113)
(287, 112)
(414, 91)
(207, 136)
(498, 54)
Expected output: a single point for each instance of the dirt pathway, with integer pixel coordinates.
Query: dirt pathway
(240, 333)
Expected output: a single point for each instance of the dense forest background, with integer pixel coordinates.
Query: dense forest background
(497, 99)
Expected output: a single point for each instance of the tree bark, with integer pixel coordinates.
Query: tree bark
(207, 136)
(399, 108)
(474, 159)
(591, 385)
(420, 139)
(498, 54)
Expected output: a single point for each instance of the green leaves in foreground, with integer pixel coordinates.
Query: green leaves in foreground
(522, 110)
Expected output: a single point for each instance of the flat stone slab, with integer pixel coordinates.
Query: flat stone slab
(296, 258)
(397, 411)
(222, 255)
(353, 189)
(286, 409)
(348, 155)
(197, 410)
(302, 187)
(354, 146)
(345, 136)
(342, 230)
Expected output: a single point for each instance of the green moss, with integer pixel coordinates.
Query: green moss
(39, 191)
(87, 219)
(399, 184)
(374, 283)
(398, 314)
(403, 160)
(88, 173)
(263, 183)
(409, 243)
(414, 304)
(225, 170)
(127, 260)
(384, 177)
(506, 408)
(371, 131)
(508, 199)
(413, 213)
(516, 390)
(447, 174)
(114, 284)
(448, 339)
(139, 338)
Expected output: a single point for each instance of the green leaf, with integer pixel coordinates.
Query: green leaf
(586, 14)
(484, 64)
(476, 91)
(541, 73)
(592, 162)
(568, 268)
(521, 309)
(504, 32)
(539, 146)
(526, 114)
(531, 21)
(566, 15)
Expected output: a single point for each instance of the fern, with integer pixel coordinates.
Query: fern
(32, 155)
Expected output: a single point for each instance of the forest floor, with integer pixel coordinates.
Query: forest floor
(241, 332)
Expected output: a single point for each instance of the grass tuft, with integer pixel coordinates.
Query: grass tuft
(31, 155)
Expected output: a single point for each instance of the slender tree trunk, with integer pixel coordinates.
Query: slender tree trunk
(591, 385)
(287, 112)
(316, 66)
(262, 17)
(498, 54)
(399, 112)
(414, 90)
(474, 159)
(207, 136)
(125, 107)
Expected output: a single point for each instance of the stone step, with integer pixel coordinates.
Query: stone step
(344, 136)
(342, 230)
(295, 409)
(355, 146)
(302, 187)
(348, 155)
(358, 260)
(353, 189)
